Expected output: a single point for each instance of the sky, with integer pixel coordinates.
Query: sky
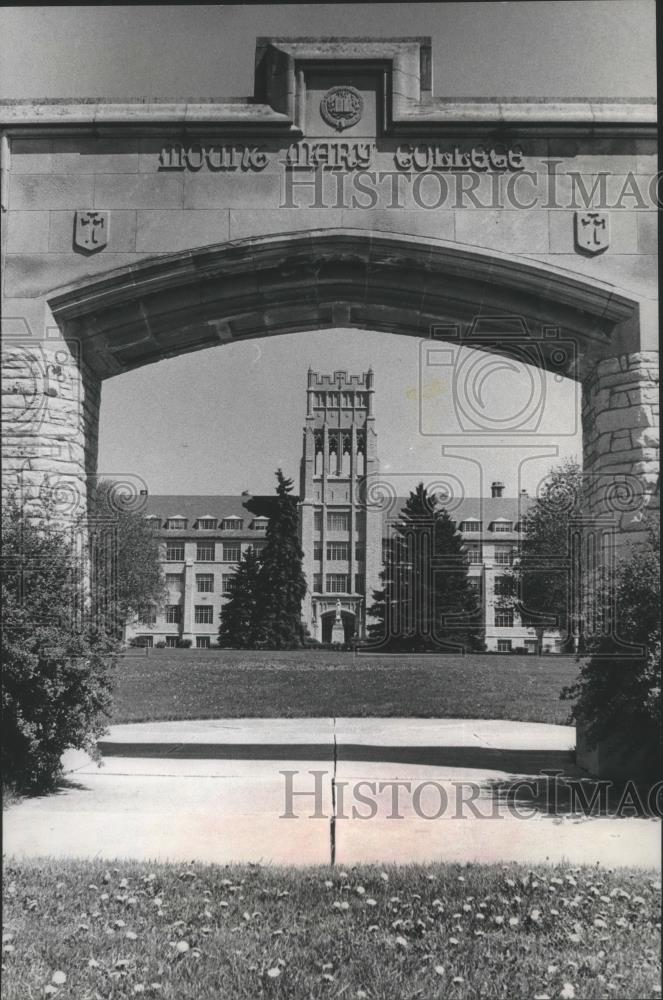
(222, 420)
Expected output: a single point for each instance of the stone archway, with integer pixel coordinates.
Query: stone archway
(175, 304)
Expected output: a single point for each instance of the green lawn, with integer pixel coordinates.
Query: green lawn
(199, 684)
(208, 933)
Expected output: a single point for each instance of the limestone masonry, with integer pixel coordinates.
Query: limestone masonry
(343, 193)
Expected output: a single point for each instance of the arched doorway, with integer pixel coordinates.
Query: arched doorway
(426, 288)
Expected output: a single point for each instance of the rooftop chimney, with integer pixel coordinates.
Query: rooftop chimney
(496, 489)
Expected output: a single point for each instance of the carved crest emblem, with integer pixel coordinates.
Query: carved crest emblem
(592, 232)
(90, 231)
(342, 107)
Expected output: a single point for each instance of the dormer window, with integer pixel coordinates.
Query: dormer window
(470, 525)
(501, 524)
(176, 523)
(260, 523)
(232, 523)
(207, 523)
(154, 521)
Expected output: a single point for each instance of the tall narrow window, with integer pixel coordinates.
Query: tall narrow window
(337, 583)
(337, 551)
(338, 520)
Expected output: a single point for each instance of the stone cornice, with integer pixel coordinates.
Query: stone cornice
(628, 118)
(282, 69)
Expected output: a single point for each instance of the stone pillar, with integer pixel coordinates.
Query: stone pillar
(50, 412)
(620, 420)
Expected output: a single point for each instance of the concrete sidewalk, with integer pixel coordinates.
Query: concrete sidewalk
(520, 747)
(157, 798)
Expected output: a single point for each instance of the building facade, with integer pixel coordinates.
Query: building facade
(344, 530)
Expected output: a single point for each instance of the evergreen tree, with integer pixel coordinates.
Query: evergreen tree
(282, 584)
(426, 602)
(240, 615)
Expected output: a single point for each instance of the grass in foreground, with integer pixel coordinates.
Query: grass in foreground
(203, 684)
(77, 930)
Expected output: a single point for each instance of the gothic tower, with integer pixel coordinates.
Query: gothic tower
(340, 533)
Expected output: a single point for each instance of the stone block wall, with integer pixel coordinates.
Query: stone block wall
(50, 413)
(620, 418)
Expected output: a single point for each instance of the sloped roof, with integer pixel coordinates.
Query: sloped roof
(195, 506)
(224, 506)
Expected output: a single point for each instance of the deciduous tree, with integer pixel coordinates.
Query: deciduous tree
(544, 584)
(618, 694)
(57, 662)
(127, 579)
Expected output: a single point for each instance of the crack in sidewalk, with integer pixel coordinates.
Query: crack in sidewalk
(332, 821)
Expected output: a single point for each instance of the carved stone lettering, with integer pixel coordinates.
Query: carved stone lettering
(347, 155)
(197, 156)
(424, 157)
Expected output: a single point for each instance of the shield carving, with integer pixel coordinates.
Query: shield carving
(592, 232)
(91, 231)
